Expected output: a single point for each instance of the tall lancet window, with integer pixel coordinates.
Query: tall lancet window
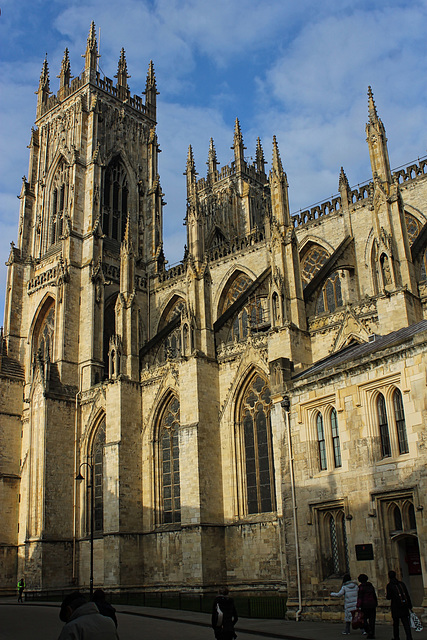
(169, 494)
(257, 447)
(115, 201)
(98, 477)
(58, 204)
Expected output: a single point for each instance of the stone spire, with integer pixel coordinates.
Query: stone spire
(212, 160)
(377, 141)
(277, 163)
(372, 110)
(151, 91)
(191, 174)
(91, 55)
(43, 91)
(279, 189)
(122, 71)
(239, 156)
(343, 183)
(64, 75)
(259, 157)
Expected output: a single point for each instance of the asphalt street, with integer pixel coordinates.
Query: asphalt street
(41, 622)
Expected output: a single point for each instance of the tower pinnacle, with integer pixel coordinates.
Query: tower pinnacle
(122, 71)
(91, 55)
(212, 160)
(259, 157)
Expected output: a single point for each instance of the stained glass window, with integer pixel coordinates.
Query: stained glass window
(312, 262)
(412, 226)
(330, 297)
(169, 463)
(98, 477)
(259, 468)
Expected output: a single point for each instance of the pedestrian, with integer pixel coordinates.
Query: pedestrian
(83, 620)
(349, 590)
(224, 616)
(367, 602)
(400, 604)
(104, 607)
(21, 587)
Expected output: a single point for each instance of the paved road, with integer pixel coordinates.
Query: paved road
(41, 622)
(38, 622)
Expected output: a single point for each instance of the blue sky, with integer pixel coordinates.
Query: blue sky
(297, 70)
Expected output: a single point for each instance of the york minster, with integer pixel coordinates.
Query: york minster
(253, 416)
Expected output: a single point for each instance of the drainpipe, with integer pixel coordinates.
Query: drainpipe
(285, 404)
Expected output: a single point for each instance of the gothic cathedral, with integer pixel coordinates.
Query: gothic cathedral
(254, 416)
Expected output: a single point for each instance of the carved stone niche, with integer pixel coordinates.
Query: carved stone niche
(280, 375)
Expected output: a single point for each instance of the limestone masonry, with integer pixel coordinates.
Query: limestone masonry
(254, 416)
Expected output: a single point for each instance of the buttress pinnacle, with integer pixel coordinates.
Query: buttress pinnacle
(277, 163)
(372, 110)
(122, 71)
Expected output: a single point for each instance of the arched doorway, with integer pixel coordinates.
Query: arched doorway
(408, 555)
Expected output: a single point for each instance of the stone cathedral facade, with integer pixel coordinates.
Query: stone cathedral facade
(254, 416)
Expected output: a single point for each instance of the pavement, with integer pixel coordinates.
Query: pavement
(39, 620)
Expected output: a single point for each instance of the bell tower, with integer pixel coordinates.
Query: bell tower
(90, 235)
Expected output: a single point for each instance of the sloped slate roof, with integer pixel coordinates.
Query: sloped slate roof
(355, 352)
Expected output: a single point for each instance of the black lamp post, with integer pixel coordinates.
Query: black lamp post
(79, 477)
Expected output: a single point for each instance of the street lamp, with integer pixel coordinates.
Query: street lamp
(79, 477)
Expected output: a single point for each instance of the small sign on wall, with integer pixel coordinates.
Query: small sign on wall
(364, 552)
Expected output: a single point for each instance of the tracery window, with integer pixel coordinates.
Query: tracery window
(327, 439)
(115, 201)
(98, 477)
(412, 226)
(330, 297)
(235, 290)
(253, 317)
(168, 452)
(44, 348)
(333, 542)
(312, 262)
(58, 203)
(257, 447)
(392, 424)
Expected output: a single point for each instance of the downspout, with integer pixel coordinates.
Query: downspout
(285, 404)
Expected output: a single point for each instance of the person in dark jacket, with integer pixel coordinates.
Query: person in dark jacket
(400, 603)
(224, 606)
(367, 602)
(104, 607)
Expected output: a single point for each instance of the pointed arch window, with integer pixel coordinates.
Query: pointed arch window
(321, 442)
(257, 447)
(169, 494)
(335, 439)
(97, 457)
(58, 203)
(383, 425)
(333, 544)
(330, 297)
(44, 332)
(400, 422)
(115, 200)
(412, 226)
(312, 262)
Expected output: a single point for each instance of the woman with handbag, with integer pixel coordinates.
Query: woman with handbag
(367, 602)
(400, 604)
(349, 591)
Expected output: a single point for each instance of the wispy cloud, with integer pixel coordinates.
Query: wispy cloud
(297, 70)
